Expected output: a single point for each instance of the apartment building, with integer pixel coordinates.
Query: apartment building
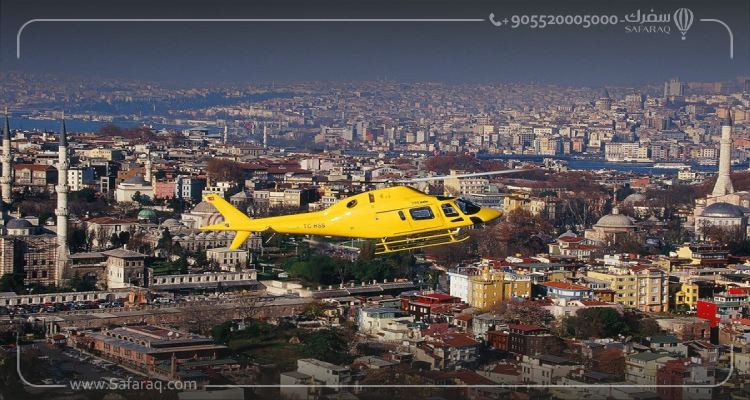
(641, 287)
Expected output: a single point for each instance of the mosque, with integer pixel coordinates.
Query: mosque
(724, 207)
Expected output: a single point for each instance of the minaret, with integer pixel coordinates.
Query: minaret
(226, 134)
(6, 181)
(265, 136)
(724, 182)
(147, 166)
(62, 204)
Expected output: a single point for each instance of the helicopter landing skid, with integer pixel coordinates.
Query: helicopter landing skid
(420, 240)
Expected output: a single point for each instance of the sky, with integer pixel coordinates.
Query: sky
(453, 52)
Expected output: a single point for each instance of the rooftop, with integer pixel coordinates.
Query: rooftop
(566, 285)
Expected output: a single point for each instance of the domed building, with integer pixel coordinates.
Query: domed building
(723, 215)
(147, 215)
(634, 199)
(611, 228)
(21, 227)
(202, 214)
(135, 184)
(172, 224)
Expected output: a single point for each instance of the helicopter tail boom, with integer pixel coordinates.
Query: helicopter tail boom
(234, 220)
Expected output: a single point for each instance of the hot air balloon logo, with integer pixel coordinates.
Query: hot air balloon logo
(683, 18)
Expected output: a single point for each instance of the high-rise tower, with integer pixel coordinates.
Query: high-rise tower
(6, 180)
(724, 182)
(62, 204)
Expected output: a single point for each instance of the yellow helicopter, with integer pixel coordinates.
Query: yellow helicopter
(398, 218)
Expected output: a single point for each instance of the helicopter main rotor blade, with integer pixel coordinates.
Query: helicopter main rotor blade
(444, 177)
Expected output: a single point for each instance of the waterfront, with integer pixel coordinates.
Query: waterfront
(599, 164)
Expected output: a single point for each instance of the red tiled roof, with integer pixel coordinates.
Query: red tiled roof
(457, 340)
(33, 167)
(506, 369)
(587, 303)
(436, 328)
(438, 296)
(543, 302)
(464, 317)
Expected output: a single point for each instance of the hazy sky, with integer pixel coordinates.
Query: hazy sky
(404, 51)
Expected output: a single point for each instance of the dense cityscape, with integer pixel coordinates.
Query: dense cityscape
(620, 267)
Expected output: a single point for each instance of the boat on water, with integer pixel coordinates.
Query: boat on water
(671, 165)
(708, 162)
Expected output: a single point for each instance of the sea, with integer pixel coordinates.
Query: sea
(598, 164)
(76, 125)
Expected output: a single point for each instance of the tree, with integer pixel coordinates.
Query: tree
(12, 282)
(721, 234)
(681, 309)
(343, 268)
(432, 278)
(596, 322)
(222, 332)
(123, 238)
(80, 284)
(165, 241)
(77, 240)
(115, 240)
(517, 234)
(329, 345)
(450, 254)
(102, 239)
(367, 251)
(610, 361)
(221, 169)
(524, 312)
(648, 327)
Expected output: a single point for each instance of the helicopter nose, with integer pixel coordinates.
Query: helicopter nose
(488, 214)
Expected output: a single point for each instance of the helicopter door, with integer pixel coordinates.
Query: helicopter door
(395, 222)
(424, 218)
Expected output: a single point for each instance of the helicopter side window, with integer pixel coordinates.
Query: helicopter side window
(448, 210)
(351, 204)
(421, 213)
(467, 207)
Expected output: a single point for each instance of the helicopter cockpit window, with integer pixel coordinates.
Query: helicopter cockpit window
(351, 204)
(467, 207)
(421, 213)
(449, 211)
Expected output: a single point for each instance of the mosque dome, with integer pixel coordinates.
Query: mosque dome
(147, 214)
(615, 220)
(634, 198)
(722, 210)
(204, 207)
(136, 180)
(171, 223)
(19, 223)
